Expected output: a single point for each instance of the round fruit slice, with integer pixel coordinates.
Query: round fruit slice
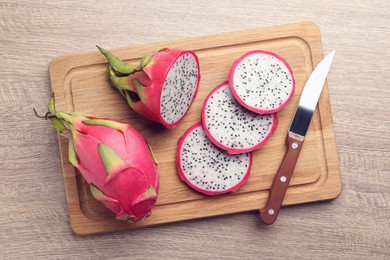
(208, 169)
(262, 81)
(231, 126)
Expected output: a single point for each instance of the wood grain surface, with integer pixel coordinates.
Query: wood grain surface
(34, 220)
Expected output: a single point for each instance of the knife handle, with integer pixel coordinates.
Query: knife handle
(279, 186)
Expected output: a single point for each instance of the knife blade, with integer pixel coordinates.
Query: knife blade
(295, 138)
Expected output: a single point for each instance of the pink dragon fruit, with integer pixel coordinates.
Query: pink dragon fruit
(162, 87)
(114, 159)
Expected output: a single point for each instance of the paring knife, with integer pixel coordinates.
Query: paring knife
(295, 137)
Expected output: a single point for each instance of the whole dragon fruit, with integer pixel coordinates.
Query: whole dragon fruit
(262, 81)
(162, 87)
(114, 159)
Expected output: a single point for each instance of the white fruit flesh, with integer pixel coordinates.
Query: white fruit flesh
(230, 125)
(179, 88)
(208, 168)
(263, 81)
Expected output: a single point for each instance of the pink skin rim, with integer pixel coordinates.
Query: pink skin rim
(229, 149)
(173, 125)
(188, 182)
(254, 109)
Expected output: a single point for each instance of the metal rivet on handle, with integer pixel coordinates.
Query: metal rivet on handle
(283, 179)
(294, 145)
(271, 212)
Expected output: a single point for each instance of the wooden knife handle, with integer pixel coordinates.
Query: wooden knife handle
(279, 186)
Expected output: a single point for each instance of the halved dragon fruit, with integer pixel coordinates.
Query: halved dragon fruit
(162, 87)
(262, 81)
(207, 168)
(231, 126)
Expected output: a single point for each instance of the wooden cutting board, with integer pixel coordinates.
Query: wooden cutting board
(79, 83)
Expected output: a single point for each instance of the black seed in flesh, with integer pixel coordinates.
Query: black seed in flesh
(209, 168)
(232, 125)
(179, 88)
(268, 82)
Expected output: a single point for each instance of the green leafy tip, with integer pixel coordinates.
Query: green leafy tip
(139, 87)
(72, 152)
(146, 60)
(151, 152)
(52, 108)
(96, 193)
(150, 193)
(117, 64)
(111, 160)
(104, 122)
(51, 114)
(58, 124)
(67, 117)
(118, 82)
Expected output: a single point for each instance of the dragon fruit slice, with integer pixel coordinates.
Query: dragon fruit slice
(208, 169)
(114, 159)
(162, 87)
(262, 81)
(231, 126)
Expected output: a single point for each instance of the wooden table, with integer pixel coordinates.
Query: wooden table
(34, 219)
